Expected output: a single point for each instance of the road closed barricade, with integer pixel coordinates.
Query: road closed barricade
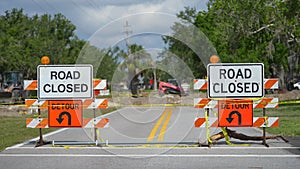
(235, 89)
(65, 91)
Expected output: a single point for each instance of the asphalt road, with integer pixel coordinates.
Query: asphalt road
(150, 137)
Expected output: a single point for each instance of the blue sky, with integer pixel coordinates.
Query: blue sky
(91, 15)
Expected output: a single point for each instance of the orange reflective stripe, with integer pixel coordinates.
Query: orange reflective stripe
(102, 123)
(259, 122)
(202, 103)
(271, 84)
(199, 122)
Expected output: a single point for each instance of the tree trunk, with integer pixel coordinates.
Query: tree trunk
(154, 78)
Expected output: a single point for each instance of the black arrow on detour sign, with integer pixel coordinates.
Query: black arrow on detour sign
(229, 119)
(60, 119)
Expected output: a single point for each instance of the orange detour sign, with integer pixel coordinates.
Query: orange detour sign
(235, 113)
(65, 113)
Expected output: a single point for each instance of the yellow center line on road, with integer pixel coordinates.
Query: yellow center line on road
(156, 126)
(164, 126)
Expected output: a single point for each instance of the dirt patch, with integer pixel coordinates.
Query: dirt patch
(13, 110)
(154, 98)
(286, 95)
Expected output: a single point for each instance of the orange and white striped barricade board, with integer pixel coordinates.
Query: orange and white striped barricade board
(266, 103)
(205, 103)
(87, 103)
(271, 83)
(30, 85)
(257, 122)
(35, 103)
(201, 84)
(97, 122)
(201, 122)
(37, 123)
(95, 103)
(98, 84)
(101, 93)
(260, 103)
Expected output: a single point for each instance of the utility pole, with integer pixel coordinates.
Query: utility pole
(130, 62)
(127, 32)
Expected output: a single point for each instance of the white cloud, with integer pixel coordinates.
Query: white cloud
(147, 29)
(96, 18)
(91, 15)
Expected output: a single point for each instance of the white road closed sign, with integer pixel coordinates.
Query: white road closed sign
(235, 80)
(56, 82)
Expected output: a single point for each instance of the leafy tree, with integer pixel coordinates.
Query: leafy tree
(259, 31)
(265, 31)
(108, 64)
(24, 40)
(132, 63)
(189, 43)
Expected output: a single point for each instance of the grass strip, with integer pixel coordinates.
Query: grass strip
(289, 118)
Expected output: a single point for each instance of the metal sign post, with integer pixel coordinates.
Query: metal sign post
(41, 141)
(264, 130)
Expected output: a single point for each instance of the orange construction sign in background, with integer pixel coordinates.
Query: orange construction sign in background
(235, 113)
(65, 113)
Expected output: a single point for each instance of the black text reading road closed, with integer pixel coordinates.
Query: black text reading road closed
(57, 82)
(237, 81)
(64, 86)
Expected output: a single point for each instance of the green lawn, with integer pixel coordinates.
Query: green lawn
(14, 131)
(289, 119)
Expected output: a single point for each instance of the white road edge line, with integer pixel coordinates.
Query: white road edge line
(50, 134)
(35, 139)
(159, 148)
(150, 155)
